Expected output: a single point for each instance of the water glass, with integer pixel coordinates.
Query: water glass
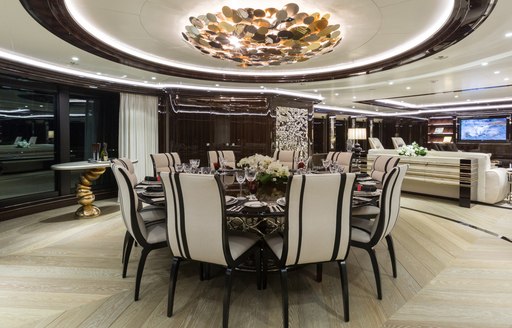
(205, 170)
(326, 163)
(186, 168)
(334, 168)
(178, 168)
(240, 178)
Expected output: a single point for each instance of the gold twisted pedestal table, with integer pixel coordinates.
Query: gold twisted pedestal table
(91, 172)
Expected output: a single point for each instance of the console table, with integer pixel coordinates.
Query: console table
(91, 172)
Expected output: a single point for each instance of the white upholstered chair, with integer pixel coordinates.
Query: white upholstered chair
(317, 228)
(397, 142)
(344, 159)
(286, 157)
(228, 155)
(145, 227)
(375, 143)
(164, 162)
(367, 233)
(197, 229)
(382, 165)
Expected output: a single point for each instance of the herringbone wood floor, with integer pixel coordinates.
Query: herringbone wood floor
(56, 271)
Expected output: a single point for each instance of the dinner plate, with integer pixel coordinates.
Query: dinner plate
(230, 200)
(153, 194)
(281, 201)
(255, 204)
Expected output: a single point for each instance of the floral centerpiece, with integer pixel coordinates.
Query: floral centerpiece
(272, 175)
(412, 150)
(22, 144)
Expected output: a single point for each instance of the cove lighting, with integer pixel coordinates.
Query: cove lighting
(442, 15)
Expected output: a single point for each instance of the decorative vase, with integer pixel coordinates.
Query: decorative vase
(271, 191)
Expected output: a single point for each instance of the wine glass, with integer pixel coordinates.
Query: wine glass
(179, 168)
(194, 164)
(240, 178)
(250, 176)
(222, 162)
(334, 168)
(326, 163)
(186, 167)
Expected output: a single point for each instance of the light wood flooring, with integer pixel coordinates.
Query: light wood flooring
(56, 271)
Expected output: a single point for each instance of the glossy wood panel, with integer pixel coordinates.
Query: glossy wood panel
(52, 14)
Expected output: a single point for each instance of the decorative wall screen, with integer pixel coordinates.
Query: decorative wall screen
(292, 129)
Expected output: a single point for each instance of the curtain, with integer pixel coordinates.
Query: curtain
(138, 131)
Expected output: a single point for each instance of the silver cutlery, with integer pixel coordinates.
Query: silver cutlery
(235, 208)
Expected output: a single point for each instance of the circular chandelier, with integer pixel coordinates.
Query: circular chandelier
(263, 37)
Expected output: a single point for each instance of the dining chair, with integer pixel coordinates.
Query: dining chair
(344, 159)
(286, 157)
(382, 165)
(316, 228)
(397, 142)
(375, 143)
(367, 233)
(146, 227)
(197, 230)
(215, 155)
(164, 162)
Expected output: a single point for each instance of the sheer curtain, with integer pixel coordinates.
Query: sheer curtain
(138, 130)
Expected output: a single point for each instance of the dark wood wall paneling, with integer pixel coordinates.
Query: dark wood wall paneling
(199, 123)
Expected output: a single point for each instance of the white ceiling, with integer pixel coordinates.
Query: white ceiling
(369, 28)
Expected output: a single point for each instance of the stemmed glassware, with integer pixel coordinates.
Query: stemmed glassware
(240, 178)
(194, 164)
(222, 162)
(326, 163)
(250, 176)
(179, 168)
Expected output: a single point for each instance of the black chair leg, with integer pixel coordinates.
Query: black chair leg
(376, 271)
(125, 243)
(344, 289)
(227, 297)
(202, 273)
(319, 270)
(264, 266)
(140, 270)
(259, 282)
(284, 292)
(173, 277)
(126, 256)
(391, 250)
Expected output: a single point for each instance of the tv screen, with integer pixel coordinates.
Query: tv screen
(483, 129)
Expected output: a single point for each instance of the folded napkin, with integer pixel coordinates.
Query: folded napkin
(154, 189)
(360, 187)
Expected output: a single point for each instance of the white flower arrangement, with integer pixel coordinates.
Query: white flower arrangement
(412, 150)
(268, 169)
(22, 144)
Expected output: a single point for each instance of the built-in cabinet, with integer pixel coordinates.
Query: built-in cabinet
(441, 129)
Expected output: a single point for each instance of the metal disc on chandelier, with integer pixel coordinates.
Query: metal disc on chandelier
(263, 37)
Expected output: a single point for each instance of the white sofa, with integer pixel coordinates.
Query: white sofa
(440, 175)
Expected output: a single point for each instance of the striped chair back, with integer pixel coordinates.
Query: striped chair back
(228, 155)
(128, 165)
(382, 165)
(286, 157)
(129, 201)
(317, 222)
(196, 224)
(164, 162)
(343, 159)
(389, 204)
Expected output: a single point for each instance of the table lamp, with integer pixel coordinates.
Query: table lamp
(357, 134)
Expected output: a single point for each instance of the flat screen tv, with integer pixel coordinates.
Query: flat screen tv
(491, 129)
